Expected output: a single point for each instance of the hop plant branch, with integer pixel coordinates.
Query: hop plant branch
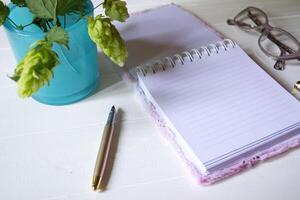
(36, 68)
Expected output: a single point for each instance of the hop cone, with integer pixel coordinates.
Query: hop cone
(116, 10)
(36, 69)
(107, 37)
(4, 12)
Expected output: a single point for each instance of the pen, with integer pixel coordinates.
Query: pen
(103, 153)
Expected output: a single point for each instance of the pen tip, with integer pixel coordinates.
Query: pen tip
(98, 189)
(113, 107)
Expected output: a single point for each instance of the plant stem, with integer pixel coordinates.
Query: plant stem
(65, 21)
(12, 22)
(49, 26)
(84, 14)
(92, 9)
(96, 7)
(27, 25)
(45, 25)
(57, 22)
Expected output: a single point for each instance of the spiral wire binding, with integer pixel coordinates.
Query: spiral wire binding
(184, 56)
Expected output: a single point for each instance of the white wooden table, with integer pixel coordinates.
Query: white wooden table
(48, 152)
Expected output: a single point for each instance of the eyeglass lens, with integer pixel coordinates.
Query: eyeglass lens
(276, 41)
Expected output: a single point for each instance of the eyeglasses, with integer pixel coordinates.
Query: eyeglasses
(274, 42)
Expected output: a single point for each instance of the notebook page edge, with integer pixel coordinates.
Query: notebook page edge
(179, 139)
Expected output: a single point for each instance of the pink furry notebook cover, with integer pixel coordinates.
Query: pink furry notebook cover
(165, 31)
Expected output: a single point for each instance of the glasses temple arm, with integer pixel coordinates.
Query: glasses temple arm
(232, 22)
(280, 64)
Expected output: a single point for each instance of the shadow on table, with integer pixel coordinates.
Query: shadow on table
(108, 74)
(114, 146)
(140, 51)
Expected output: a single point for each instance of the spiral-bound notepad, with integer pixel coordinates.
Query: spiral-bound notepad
(221, 111)
(219, 103)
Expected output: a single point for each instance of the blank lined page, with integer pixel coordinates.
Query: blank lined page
(223, 105)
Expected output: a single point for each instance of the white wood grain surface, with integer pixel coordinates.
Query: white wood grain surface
(48, 152)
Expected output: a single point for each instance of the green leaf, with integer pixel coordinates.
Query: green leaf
(45, 9)
(20, 3)
(70, 6)
(16, 76)
(4, 12)
(36, 69)
(116, 10)
(58, 35)
(107, 37)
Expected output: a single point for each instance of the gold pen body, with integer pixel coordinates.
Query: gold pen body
(98, 175)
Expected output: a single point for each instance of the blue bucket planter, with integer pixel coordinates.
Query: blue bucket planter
(77, 76)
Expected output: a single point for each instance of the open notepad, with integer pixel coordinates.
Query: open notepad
(219, 103)
(221, 106)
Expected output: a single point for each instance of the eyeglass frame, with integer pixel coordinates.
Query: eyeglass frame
(286, 53)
